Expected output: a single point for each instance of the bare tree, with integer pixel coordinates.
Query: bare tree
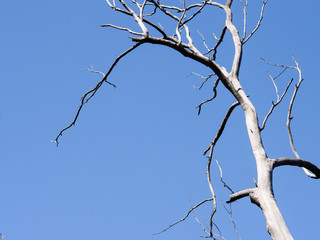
(144, 12)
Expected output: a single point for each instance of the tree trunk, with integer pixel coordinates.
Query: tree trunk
(263, 195)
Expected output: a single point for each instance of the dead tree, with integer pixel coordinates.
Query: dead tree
(144, 13)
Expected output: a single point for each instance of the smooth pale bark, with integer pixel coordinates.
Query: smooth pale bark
(262, 196)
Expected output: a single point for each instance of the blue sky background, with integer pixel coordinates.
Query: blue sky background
(133, 163)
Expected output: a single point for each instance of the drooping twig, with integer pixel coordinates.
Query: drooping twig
(88, 95)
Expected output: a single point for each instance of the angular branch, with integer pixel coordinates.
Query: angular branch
(204, 81)
(220, 40)
(210, 99)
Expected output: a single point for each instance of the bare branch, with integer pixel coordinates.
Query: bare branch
(289, 118)
(241, 194)
(258, 24)
(244, 9)
(163, 9)
(186, 216)
(88, 95)
(222, 126)
(205, 79)
(274, 105)
(221, 178)
(204, 42)
(210, 99)
(196, 13)
(299, 163)
(215, 48)
(211, 189)
(277, 65)
(231, 218)
(136, 18)
(275, 86)
(144, 20)
(203, 228)
(121, 28)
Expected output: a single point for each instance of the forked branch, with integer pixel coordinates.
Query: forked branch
(274, 105)
(244, 40)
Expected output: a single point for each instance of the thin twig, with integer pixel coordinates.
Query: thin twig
(186, 216)
(244, 9)
(123, 29)
(203, 228)
(231, 218)
(204, 81)
(221, 178)
(210, 99)
(222, 126)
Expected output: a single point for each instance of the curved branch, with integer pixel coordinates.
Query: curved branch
(298, 163)
(212, 190)
(88, 95)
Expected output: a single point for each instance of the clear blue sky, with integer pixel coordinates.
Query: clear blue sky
(133, 163)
